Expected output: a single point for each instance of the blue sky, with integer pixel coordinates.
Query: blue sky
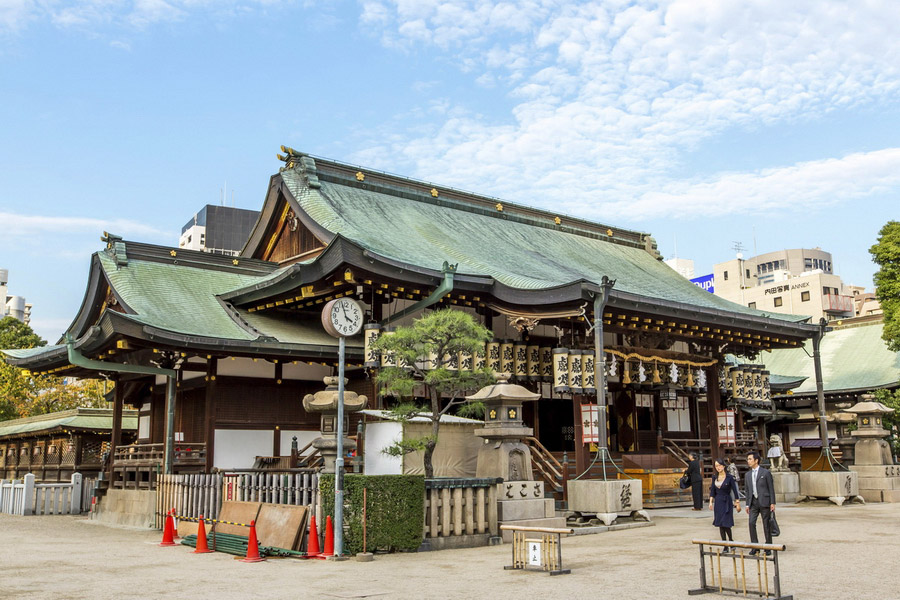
(772, 124)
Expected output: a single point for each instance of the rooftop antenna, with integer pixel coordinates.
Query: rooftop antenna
(755, 252)
(675, 243)
(739, 249)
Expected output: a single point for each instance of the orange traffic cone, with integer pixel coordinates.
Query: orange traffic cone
(312, 544)
(202, 547)
(252, 546)
(168, 531)
(329, 538)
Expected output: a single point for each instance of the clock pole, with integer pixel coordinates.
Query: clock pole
(339, 461)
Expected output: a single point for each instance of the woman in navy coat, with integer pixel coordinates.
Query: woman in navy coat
(724, 499)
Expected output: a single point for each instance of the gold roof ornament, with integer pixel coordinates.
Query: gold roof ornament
(434, 193)
(499, 207)
(609, 232)
(557, 220)
(360, 176)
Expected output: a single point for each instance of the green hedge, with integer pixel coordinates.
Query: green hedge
(395, 510)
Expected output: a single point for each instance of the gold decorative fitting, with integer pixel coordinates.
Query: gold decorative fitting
(173, 253)
(434, 193)
(235, 262)
(609, 232)
(499, 207)
(557, 220)
(360, 176)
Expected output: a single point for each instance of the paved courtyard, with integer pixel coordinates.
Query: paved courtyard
(833, 552)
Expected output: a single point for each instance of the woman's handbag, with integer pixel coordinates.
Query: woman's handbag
(685, 481)
(774, 529)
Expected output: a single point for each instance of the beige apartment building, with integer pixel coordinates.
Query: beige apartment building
(797, 281)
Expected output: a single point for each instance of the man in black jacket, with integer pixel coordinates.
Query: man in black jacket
(696, 476)
(760, 491)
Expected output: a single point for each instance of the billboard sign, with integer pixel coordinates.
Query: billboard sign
(705, 282)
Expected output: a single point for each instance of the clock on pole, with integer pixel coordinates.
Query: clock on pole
(342, 317)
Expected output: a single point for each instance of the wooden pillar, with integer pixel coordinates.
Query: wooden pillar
(713, 402)
(210, 412)
(115, 438)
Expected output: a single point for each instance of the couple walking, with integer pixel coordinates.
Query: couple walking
(724, 498)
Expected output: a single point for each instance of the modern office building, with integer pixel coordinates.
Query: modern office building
(12, 306)
(797, 281)
(218, 230)
(684, 266)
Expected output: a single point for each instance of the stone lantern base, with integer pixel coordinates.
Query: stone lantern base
(327, 446)
(787, 486)
(878, 483)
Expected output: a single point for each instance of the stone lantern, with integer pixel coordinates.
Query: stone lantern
(326, 403)
(845, 440)
(504, 454)
(879, 477)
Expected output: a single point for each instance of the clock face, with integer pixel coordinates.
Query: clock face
(342, 317)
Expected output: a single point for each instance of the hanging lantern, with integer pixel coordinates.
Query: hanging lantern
(588, 384)
(534, 362)
(574, 369)
(547, 363)
(766, 389)
(481, 358)
(388, 359)
(465, 361)
(370, 335)
(656, 380)
(493, 356)
(451, 362)
(560, 370)
(737, 383)
(520, 361)
(507, 357)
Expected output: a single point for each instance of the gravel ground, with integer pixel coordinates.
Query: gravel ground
(832, 552)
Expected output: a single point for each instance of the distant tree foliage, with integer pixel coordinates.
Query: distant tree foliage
(886, 254)
(24, 394)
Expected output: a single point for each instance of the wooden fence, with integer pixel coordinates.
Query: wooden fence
(193, 495)
(25, 497)
(455, 507)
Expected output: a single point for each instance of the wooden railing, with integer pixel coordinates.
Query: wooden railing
(193, 495)
(457, 507)
(138, 465)
(550, 469)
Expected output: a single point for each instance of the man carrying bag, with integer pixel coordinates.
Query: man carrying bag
(759, 488)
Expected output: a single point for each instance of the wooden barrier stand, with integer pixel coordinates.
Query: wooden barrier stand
(542, 553)
(739, 555)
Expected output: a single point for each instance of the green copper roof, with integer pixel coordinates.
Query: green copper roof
(177, 298)
(853, 358)
(28, 352)
(99, 419)
(517, 254)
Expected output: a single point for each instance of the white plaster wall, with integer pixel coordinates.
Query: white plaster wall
(246, 367)
(237, 448)
(379, 436)
(306, 372)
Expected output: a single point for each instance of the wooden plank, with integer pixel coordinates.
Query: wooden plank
(238, 512)
(281, 525)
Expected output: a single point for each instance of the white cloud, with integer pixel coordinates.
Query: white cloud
(611, 97)
(18, 225)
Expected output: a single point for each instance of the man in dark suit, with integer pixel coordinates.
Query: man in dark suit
(760, 491)
(695, 473)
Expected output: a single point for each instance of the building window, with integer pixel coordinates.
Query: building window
(751, 305)
(804, 296)
(748, 273)
(778, 301)
(725, 275)
(807, 264)
(826, 291)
